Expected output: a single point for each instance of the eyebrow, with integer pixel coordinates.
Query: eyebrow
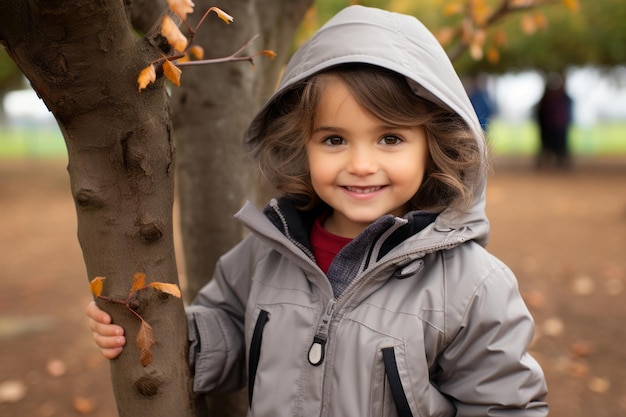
(382, 128)
(328, 129)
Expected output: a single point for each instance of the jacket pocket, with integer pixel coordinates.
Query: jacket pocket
(255, 351)
(395, 383)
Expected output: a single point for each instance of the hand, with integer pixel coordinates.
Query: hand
(108, 337)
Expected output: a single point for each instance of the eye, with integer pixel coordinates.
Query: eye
(333, 141)
(390, 140)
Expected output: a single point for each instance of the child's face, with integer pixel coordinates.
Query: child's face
(359, 165)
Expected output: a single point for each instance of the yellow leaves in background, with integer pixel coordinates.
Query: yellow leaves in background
(474, 18)
(532, 22)
(572, 5)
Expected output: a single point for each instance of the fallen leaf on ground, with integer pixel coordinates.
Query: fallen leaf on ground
(56, 367)
(12, 391)
(599, 385)
(84, 405)
(553, 327)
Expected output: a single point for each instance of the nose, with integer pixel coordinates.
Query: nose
(362, 161)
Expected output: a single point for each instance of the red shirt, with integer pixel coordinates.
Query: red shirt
(325, 245)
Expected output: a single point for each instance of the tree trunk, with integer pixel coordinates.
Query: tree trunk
(212, 108)
(83, 60)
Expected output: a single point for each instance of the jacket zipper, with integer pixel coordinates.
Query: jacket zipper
(317, 350)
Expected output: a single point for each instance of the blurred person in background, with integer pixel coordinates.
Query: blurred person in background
(554, 116)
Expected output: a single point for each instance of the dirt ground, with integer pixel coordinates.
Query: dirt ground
(562, 233)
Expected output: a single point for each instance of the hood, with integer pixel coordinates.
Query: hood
(400, 43)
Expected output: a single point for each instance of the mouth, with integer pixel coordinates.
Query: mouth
(364, 190)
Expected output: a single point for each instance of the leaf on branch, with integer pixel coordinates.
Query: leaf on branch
(145, 340)
(172, 72)
(96, 285)
(181, 7)
(139, 281)
(172, 33)
(171, 289)
(196, 51)
(268, 53)
(222, 15)
(146, 76)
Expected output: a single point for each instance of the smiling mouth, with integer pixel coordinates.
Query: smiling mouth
(363, 190)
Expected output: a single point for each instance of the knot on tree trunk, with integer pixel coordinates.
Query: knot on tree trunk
(148, 385)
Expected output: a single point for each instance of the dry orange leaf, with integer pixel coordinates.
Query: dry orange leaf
(171, 289)
(196, 51)
(84, 405)
(222, 15)
(139, 281)
(172, 33)
(452, 9)
(145, 340)
(96, 285)
(146, 76)
(268, 53)
(181, 7)
(172, 72)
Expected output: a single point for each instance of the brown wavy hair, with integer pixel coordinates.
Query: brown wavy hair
(456, 160)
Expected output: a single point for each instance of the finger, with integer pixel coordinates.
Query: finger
(111, 353)
(106, 330)
(109, 342)
(95, 313)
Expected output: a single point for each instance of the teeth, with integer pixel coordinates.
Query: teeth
(363, 190)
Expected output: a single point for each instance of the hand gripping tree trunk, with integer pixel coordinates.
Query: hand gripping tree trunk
(82, 59)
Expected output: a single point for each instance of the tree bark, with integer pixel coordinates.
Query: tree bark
(83, 60)
(215, 176)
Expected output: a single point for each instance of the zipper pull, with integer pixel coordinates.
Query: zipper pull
(317, 351)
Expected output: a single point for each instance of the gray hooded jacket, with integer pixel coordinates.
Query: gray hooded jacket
(430, 324)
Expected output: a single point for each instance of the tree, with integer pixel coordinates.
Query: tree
(83, 60)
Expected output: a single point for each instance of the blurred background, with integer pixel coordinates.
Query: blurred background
(548, 80)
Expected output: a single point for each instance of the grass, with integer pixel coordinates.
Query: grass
(506, 139)
(31, 141)
(523, 139)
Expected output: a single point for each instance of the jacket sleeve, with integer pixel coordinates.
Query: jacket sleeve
(216, 325)
(486, 369)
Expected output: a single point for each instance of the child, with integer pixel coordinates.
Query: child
(365, 290)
